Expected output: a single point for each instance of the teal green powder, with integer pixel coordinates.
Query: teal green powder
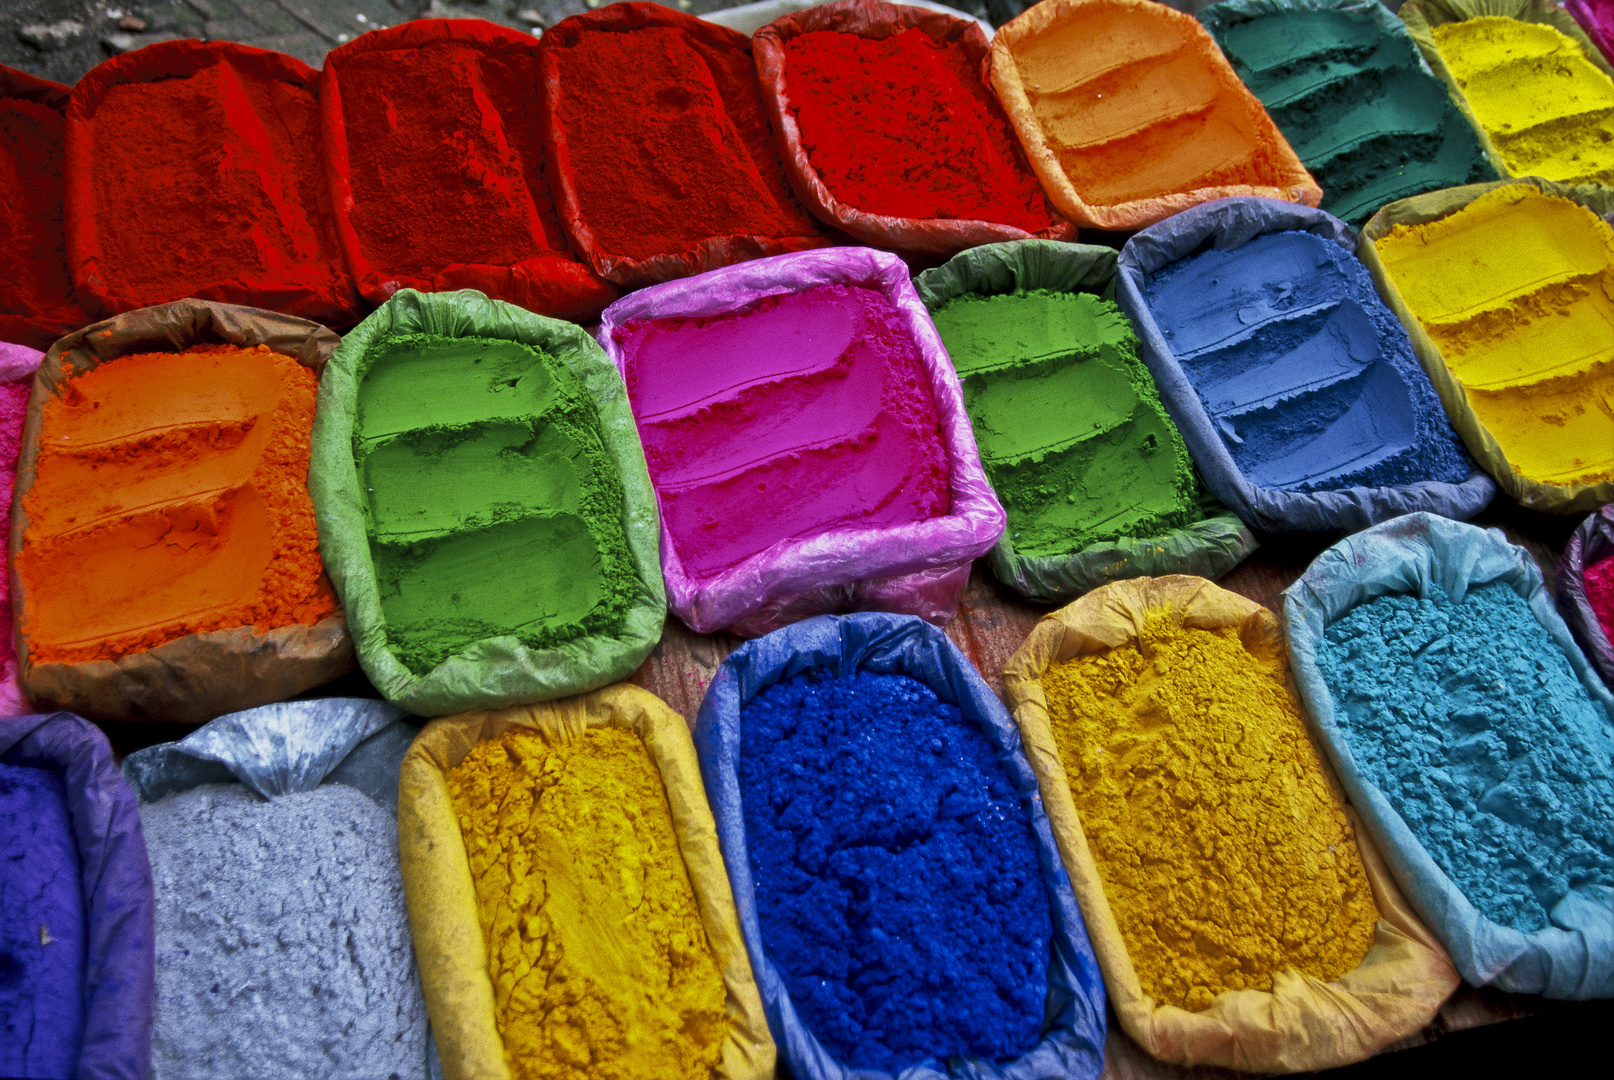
(492, 507)
(1068, 420)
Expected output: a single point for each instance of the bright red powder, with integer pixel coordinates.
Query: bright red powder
(664, 162)
(36, 293)
(904, 126)
(433, 150)
(1600, 592)
(193, 169)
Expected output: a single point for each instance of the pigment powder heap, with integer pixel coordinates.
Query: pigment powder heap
(171, 498)
(194, 171)
(493, 508)
(283, 944)
(430, 133)
(897, 881)
(1222, 842)
(1355, 102)
(1599, 578)
(905, 127)
(1306, 375)
(803, 413)
(1517, 291)
(36, 303)
(600, 964)
(13, 410)
(1068, 420)
(1547, 108)
(42, 931)
(1469, 719)
(677, 162)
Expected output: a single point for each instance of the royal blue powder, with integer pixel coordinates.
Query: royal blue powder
(42, 939)
(1471, 721)
(897, 880)
(1307, 376)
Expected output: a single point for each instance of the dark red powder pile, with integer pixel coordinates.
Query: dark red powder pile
(437, 168)
(663, 161)
(193, 169)
(1600, 593)
(903, 126)
(36, 293)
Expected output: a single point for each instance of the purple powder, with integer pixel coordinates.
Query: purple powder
(41, 928)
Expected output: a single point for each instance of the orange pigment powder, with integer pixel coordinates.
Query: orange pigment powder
(171, 498)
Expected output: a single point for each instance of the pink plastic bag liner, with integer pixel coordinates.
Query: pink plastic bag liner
(917, 568)
(17, 366)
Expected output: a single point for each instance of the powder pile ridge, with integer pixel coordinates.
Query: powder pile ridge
(36, 304)
(170, 498)
(493, 508)
(897, 881)
(1353, 100)
(1068, 421)
(283, 944)
(1222, 842)
(1306, 375)
(1470, 720)
(600, 964)
(1547, 108)
(904, 126)
(802, 413)
(1517, 291)
(43, 937)
(1600, 592)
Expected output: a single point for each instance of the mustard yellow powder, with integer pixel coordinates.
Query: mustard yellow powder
(1548, 109)
(600, 965)
(1517, 291)
(1224, 851)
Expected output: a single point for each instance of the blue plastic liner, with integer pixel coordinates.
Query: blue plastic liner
(1588, 545)
(1231, 223)
(1072, 1044)
(115, 875)
(1574, 956)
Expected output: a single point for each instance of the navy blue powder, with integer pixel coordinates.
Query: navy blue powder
(1470, 720)
(897, 880)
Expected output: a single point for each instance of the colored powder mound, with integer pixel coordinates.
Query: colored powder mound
(283, 945)
(213, 178)
(1599, 579)
(445, 162)
(897, 881)
(678, 154)
(33, 238)
(171, 498)
(42, 932)
(1596, 17)
(1307, 376)
(1369, 123)
(803, 413)
(1470, 720)
(1222, 842)
(1068, 420)
(1137, 104)
(13, 411)
(1517, 291)
(600, 964)
(494, 509)
(904, 126)
(1547, 108)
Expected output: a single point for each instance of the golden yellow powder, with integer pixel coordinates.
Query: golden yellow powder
(600, 965)
(1548, 109)
(1517, 291)
(1224, 850)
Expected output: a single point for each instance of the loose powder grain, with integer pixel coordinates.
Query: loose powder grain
(1222, 842)
(171, 498)
(1517, 291)
(600, 964)
(1548, 109)
(1068, 421)
(283, 945)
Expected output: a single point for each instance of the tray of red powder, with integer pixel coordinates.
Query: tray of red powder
(807, 440)
(37, 304)
(165, 563)
(660, 156)
(193, 170)
(890, 133)
(436, 168)
(1585, 582)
